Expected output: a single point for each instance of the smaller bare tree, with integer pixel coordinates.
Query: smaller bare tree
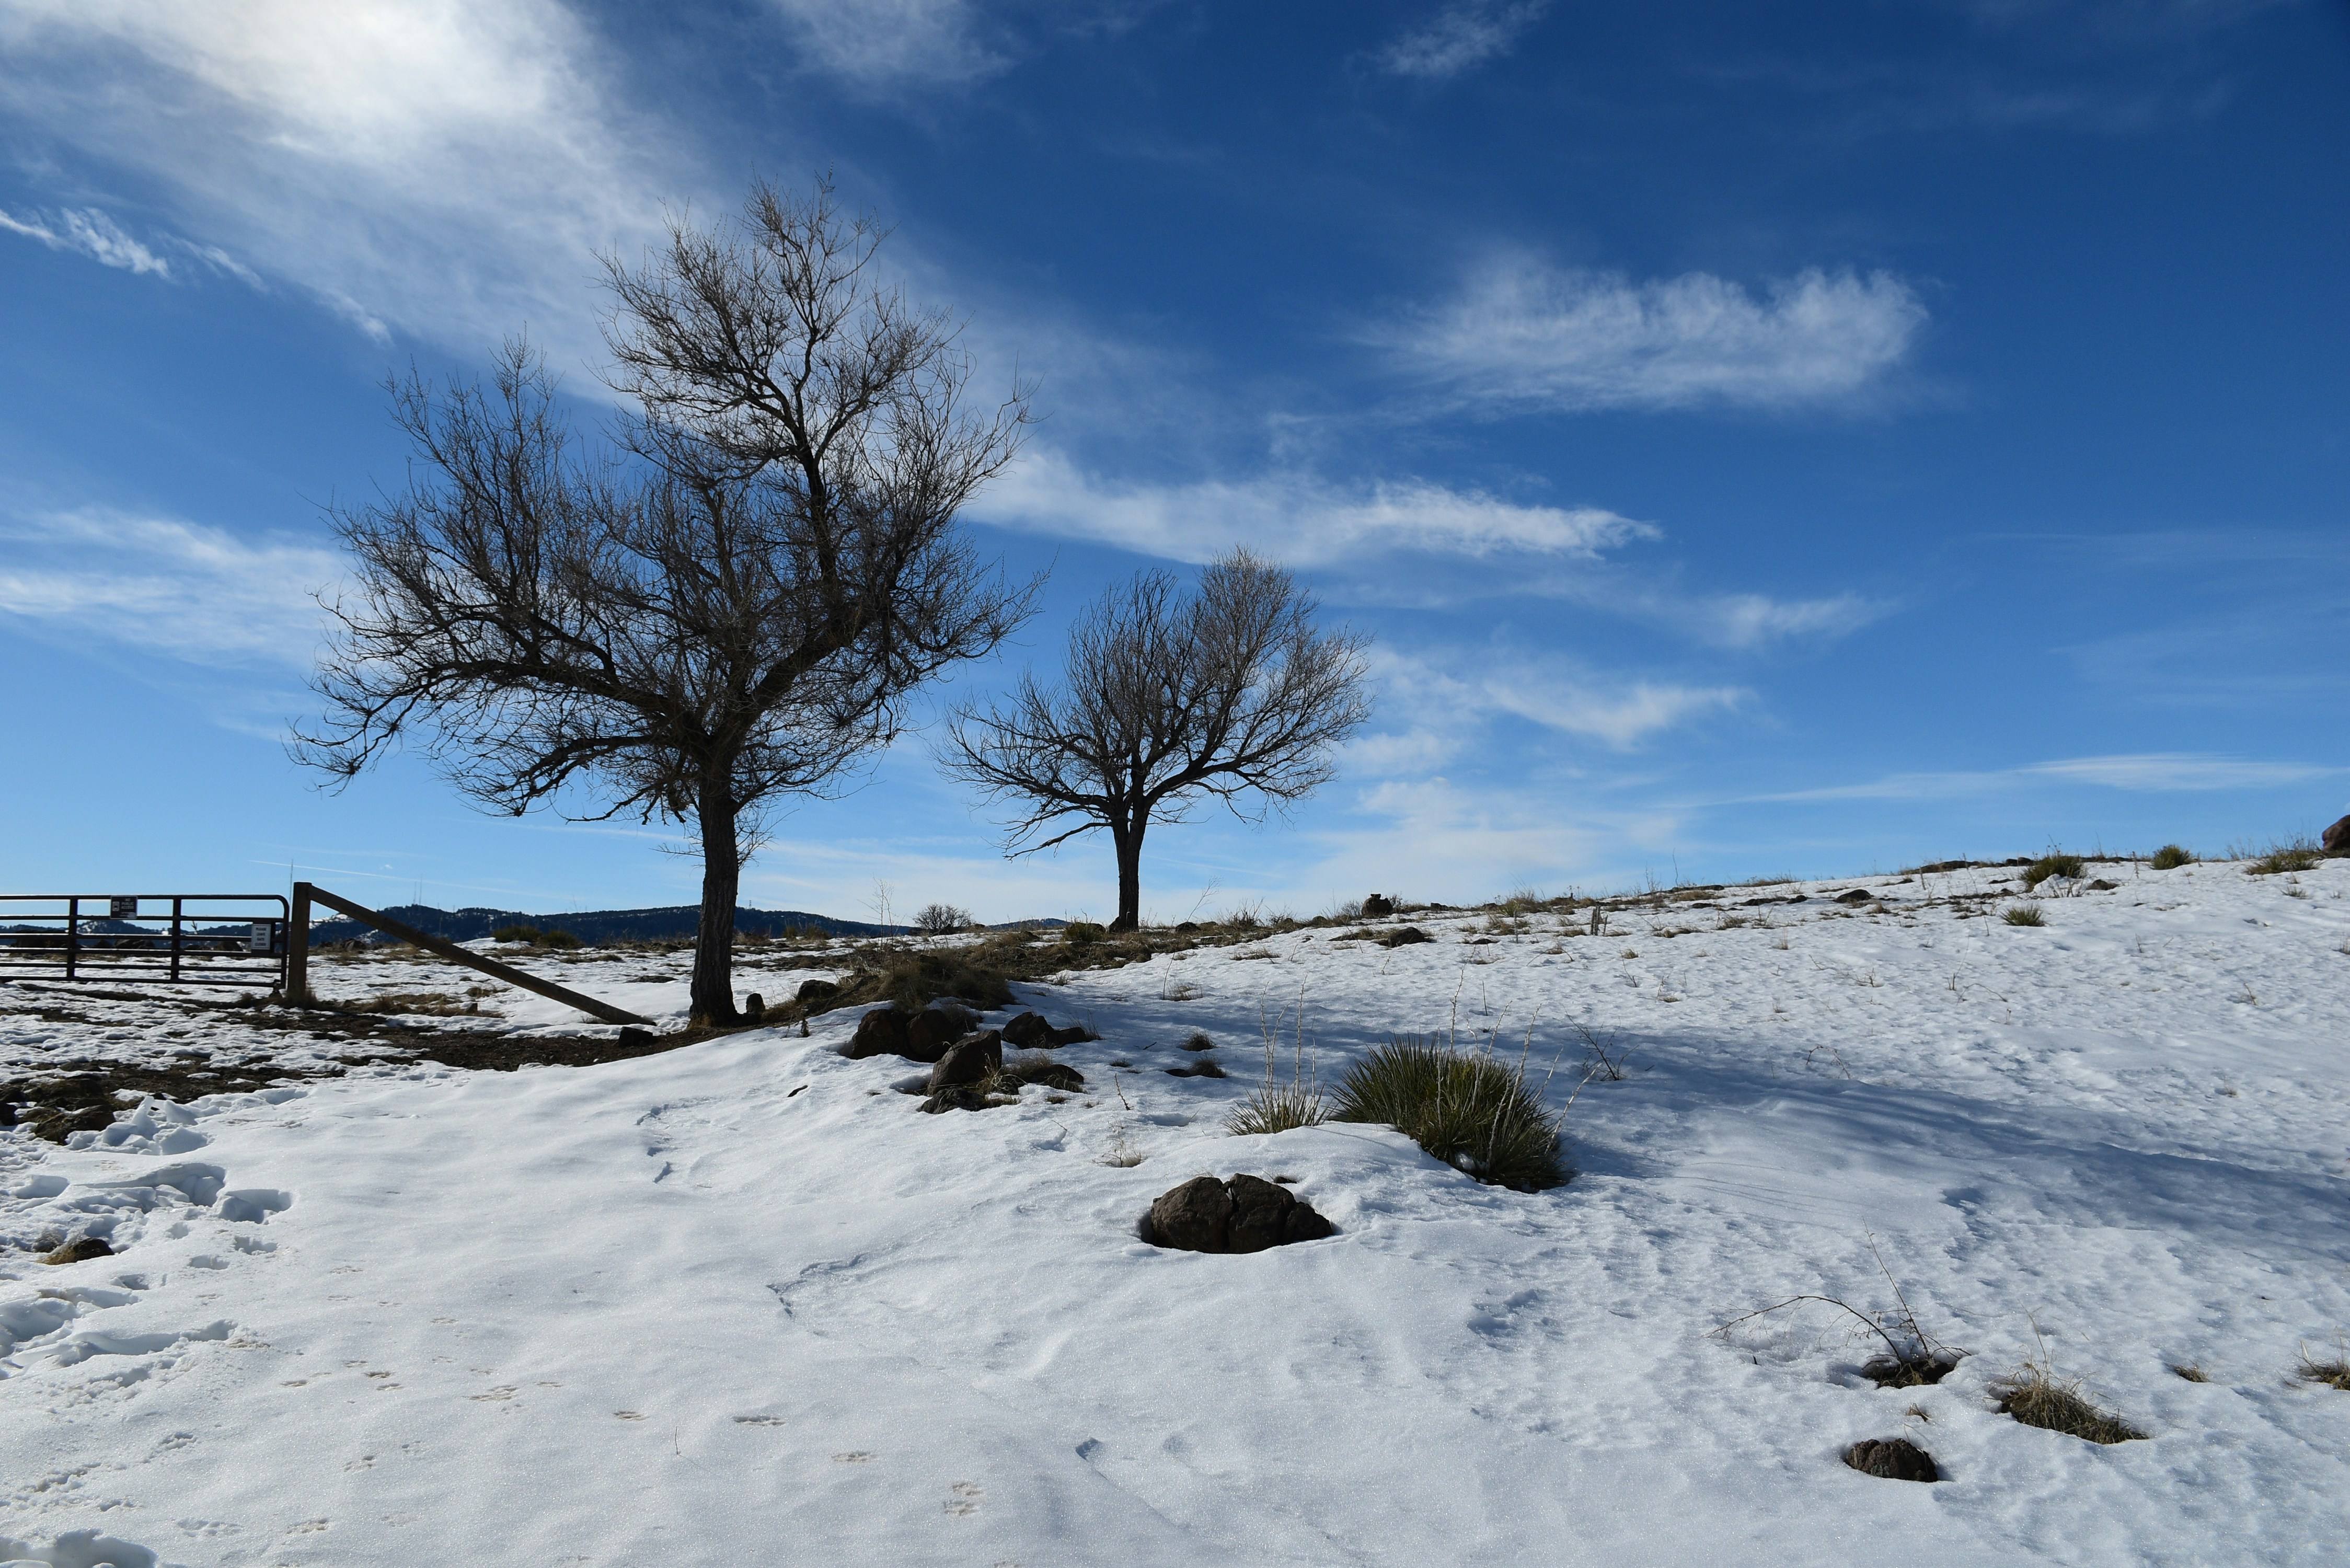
(1232, 694)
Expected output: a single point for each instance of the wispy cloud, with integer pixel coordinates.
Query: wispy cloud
(438, 169)
(91, 233)
(1435, 706)
(1460, 36)
(873, 43)
(1525, 334)
(164, 585)
(2152, 772)
(1301, 519)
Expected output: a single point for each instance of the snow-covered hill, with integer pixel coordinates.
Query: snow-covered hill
(740, 1303)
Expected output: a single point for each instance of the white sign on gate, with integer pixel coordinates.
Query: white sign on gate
(261, 936)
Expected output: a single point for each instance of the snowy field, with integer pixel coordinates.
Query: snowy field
(740, 1303)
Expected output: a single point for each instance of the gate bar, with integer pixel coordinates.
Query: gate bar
(298, 958)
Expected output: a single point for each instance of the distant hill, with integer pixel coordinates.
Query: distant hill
(595, 925)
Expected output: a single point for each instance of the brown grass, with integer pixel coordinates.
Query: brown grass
(2036, 1396)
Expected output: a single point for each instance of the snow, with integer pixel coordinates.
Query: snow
(741, 1304)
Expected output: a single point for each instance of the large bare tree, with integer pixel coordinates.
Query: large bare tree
(1231, 694)
(729, 603)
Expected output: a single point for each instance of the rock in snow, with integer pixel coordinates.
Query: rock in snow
(880, 1033)
(968, 1060)
(1241, 1214)
(1894, 1458)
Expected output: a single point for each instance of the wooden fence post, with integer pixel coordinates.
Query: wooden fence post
(297, 949)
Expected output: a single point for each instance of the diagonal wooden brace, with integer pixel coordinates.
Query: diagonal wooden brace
(299, 955)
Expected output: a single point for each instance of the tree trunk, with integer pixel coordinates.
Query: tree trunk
(721, 872)
(1128, 842)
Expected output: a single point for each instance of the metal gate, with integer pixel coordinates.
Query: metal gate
(163, 939)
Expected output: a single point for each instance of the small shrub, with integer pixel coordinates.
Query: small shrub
(1467, 1108)
(2170, 857)
(2299, 854)
(2049, 866)
(1279, 1107)
(2034, 1395)
(555, 940)
(941, 919)
(1197, 1040)
(2023, 915)
(514, 934)
(1082, 933)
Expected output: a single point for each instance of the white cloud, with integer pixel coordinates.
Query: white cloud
(2154, 771)
(876, 42)
(1523, 333)
(1296, 518)
(1621, 716)
(91, 232)
(167, 587)
(1443, 704)
(434, 169)
(1466, 34)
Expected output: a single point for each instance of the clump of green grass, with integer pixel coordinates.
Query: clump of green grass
(1467, 1108)
(2170, 857)
(2036, 1396)
(2023, 915)
(2047, 865)
(2294, 855)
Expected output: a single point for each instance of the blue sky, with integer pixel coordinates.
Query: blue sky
(1760, 438)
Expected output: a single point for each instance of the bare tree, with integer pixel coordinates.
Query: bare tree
(730, 609)
(1232, 694)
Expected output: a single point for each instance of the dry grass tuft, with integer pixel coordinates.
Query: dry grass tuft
(2334, 1374)
(2023, 915)
(2170, 857)
(2036, 1396)
(1278, 1107)
(2191, 1373)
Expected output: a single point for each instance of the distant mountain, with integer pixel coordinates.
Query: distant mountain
(593, 926)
